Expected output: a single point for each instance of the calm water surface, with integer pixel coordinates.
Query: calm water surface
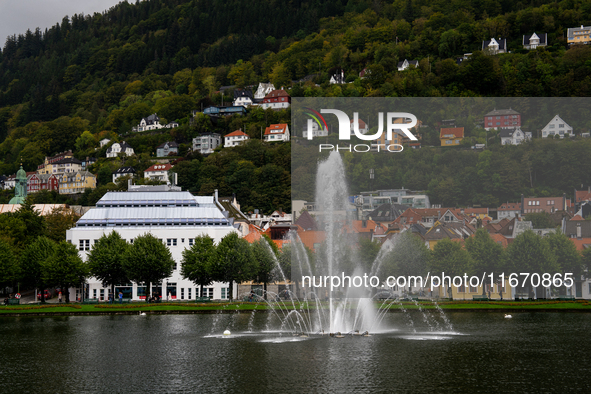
(532, 352)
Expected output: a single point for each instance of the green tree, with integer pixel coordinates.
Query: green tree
(148, 260)
(197, 262)
(64, 268)
(59, 221)
(105, 260)
(450, 258)
(408, 257)
(233, 261)
(540, 220)
(33, 261)
(265, 253)
(532, 254)
(566, 254)
(9, 267)
(486, 254)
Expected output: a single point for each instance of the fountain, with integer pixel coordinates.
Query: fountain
(307, 309)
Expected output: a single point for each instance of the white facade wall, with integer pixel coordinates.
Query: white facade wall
(84, 237)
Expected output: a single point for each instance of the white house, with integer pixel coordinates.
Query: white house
(152, 122)
(104, 142)
(514, 136)
(158, 172)
(494, 46)
(235, 138)
(167, 148)
(244, 98)
(10, 182)
(557, 126)
(338, 78)
(116, 148)
(123, 171)
(316, 131)
(403, 65)
(277, 132)
(175, 217)
(263, 90)
(206, 143)
(363, 127)
(535, 40)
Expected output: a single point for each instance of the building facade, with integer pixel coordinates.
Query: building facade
(235, 138)
(277, 132)
(277, 99)
(578, 35)
(77, 182)
(558, 127)
(167, 148)
(206, 143)
(175, 217)
(120, 147)
(502, 119)
(158, 172)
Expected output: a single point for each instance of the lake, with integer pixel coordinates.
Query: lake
(532, 352)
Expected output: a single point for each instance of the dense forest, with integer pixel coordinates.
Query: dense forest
(95, 76)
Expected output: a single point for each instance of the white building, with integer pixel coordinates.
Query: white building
(494, 46)
(123, 171)
(263, 90)
(535, 40)
(175, 217)
(514, 136)
(104, 142)
(363, 127)
(152, 122)
(277, 132)
(403, 65)
(277, 99)
(316, 131)
(116, 148)
(158, 172)
(206, 143)
(235, 138)
(557, 126)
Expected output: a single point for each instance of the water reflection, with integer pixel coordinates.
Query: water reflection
(170, 353)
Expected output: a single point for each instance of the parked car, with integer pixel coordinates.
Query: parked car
(46, 293)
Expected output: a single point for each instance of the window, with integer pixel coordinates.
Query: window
(84, 244)
(473, 289)
(182, 293)
(225, 293)
(189, 293)
(561, 126)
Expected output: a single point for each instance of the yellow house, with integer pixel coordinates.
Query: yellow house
(398, 138)
(469, 293)
(73, 183)
(451, 136)
(579, 35)
(48, 164)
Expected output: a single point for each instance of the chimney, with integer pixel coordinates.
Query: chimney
(364, 223)
(579, 230)
(215, 195)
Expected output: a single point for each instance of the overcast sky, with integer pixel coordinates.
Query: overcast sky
(16, 16)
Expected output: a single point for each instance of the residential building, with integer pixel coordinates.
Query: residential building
(494, 46)
(39, 182)
(123, 171)
(88, 162)
(277, 99)
(558, 127)
(76, 182)
(277, 132)
(10, 182)
(509, 210)
(455, 231)
(236, 137)
(316, 130)
(451, 136)
(373, 199)
(168, 148)
(175, 217)
(582, 197)
(544, 204)
(216, 112)
(363, 128)
(535, 40)
(337, 78)
(403, 65)
(206, 143)
(244, 97)
(514, 136)
(104, 142)
(263, 90)
(386, 212)
(364, 73)
(47, 166)
(158, 172)
(120, 147)
(152, 122)
(66, 165)
(502, 119)
(578, 35)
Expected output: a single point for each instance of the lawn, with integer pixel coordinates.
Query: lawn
(176, 307)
